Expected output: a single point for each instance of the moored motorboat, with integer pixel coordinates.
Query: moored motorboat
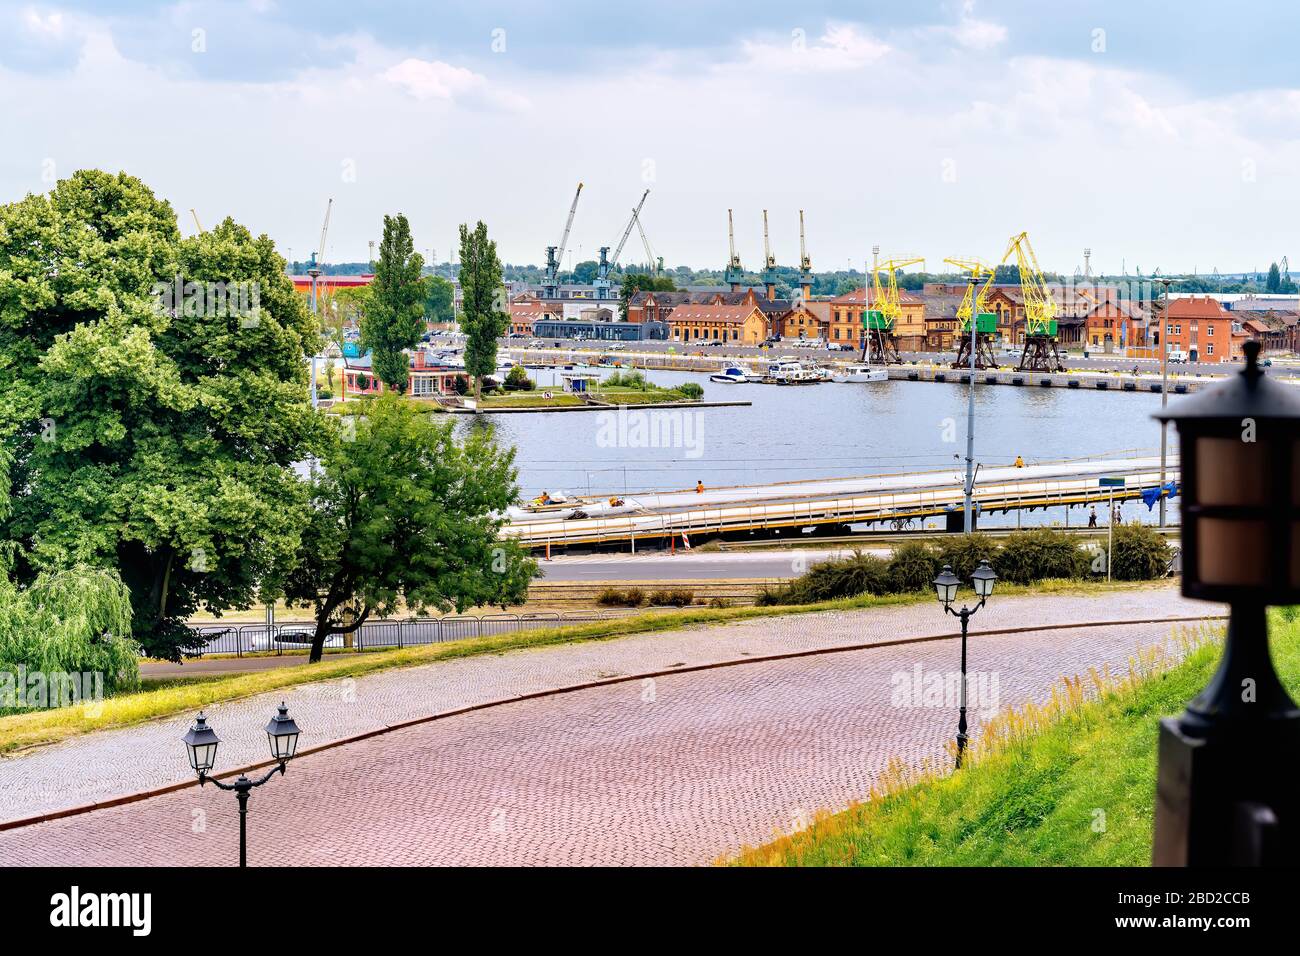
(733, 375)
(860, 373)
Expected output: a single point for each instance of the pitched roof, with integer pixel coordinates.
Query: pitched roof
(1197, 307)
(726, 314)
(855, 297)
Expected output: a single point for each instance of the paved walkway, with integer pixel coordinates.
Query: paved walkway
(678, 770)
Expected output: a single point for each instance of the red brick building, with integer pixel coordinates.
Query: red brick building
(1204, 329)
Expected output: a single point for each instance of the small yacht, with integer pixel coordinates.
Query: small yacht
(734, 374)
(792, 372)
(860, 373)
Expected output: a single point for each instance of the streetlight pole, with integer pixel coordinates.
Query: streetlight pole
(968, 524)
(201, 744)
(1164, 390)
(945, 586)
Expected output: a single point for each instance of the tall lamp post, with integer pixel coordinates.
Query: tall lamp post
(201, 743)
(945, 587)
(1226, 788)
(968, 517)
(1164, 389)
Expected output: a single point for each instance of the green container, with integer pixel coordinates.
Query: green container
(876, 321)
(986, 323)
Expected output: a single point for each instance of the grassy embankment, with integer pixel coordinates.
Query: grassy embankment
(1071, 783)
(178, 695)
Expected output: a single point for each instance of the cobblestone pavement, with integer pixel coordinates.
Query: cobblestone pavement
(691, 772)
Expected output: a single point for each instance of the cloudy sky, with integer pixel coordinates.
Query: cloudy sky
(1159, 135)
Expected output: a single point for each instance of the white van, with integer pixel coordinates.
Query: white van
(1177, 356)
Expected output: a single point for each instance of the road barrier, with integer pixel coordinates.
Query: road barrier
(295, 638)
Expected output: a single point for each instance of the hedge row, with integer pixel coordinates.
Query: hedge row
(1140, 553)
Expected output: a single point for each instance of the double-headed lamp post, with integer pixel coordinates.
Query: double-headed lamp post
(945, 587)
(1226, 786)
(201, 743)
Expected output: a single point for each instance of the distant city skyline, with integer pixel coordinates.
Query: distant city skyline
(938, 130)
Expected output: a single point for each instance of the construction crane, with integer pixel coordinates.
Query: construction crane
(805, 265)
(1040, 354)
(975, 303)
(735, 273)
(769, 263)
(880, 314)
(602, 283)
(318, 256)
(654, 265)
(197, 225)
(555, 254)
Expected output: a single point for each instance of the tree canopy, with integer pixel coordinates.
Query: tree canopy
(394, 315)
(152, 400)
(404, 515)
(483, 315)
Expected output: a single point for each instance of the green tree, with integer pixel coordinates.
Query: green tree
(150, 432)
(585, 271)
(1274, 281)
(406, 516)
(394, 315)
(439, 300)
(483, 316)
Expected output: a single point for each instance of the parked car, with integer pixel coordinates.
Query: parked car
(618, 347)
(838, 347)
(1177, 357)
(537, 344)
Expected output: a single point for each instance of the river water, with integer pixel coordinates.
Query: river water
(825, 431)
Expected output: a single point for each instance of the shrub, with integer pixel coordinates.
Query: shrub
(634, 597)
(610, 597)
(838, 578)
(677, 597)
(1139, 553)
(517, 379)
(626, 380)
(719, 602)
(964, 553)
(1029, 556)
(691, 391)
(913, 567)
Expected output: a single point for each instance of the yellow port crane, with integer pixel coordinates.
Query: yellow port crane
(880, 313)
(975, 303)
(1040, 354)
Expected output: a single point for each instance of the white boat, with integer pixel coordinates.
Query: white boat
(792, 372)
(734, 374)
(860, 373)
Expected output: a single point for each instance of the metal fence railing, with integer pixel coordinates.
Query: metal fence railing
(295, 638)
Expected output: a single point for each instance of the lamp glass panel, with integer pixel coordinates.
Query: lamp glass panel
(1232, 552)
(1230, 471)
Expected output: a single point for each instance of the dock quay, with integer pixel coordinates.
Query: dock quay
(831, 505)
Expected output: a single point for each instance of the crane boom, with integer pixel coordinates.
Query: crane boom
(319, 257)
(769, 262)
(804, 262)
(1040, 308)
(199, 226)
(977, 303)
(649, 253)
(628, 231)
(568, 225)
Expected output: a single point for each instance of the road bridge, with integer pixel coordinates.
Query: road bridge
(893, 499)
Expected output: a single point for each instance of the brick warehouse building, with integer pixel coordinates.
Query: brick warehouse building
(1204, 329)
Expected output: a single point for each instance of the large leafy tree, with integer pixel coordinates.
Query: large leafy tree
(150, 434)
(394, 314)
(439, 300)
(635, 282)
(483, 316)
(405, 515)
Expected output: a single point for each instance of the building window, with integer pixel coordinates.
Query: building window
(1209, 329)
(1209, 348)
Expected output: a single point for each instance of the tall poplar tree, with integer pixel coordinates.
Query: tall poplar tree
(483, 318)
(394, 315)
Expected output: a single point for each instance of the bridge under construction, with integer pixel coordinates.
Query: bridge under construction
(832, 505)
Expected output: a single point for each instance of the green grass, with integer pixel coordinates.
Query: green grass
(178, 695)
(1069, 785)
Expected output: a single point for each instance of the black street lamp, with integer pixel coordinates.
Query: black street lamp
(945, 587)
(201, 743)
(1226, 787)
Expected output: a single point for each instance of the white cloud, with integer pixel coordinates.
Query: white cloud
(44, 25)
(841, 47)
(978, 35)
(433, 79)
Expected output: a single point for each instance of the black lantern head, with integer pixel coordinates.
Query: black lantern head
(984, 579)
(1239, 466)
(282, 734)
(201, 743)
(945, 586)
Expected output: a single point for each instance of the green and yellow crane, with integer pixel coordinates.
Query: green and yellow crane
(880, 311)
(976, 304)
